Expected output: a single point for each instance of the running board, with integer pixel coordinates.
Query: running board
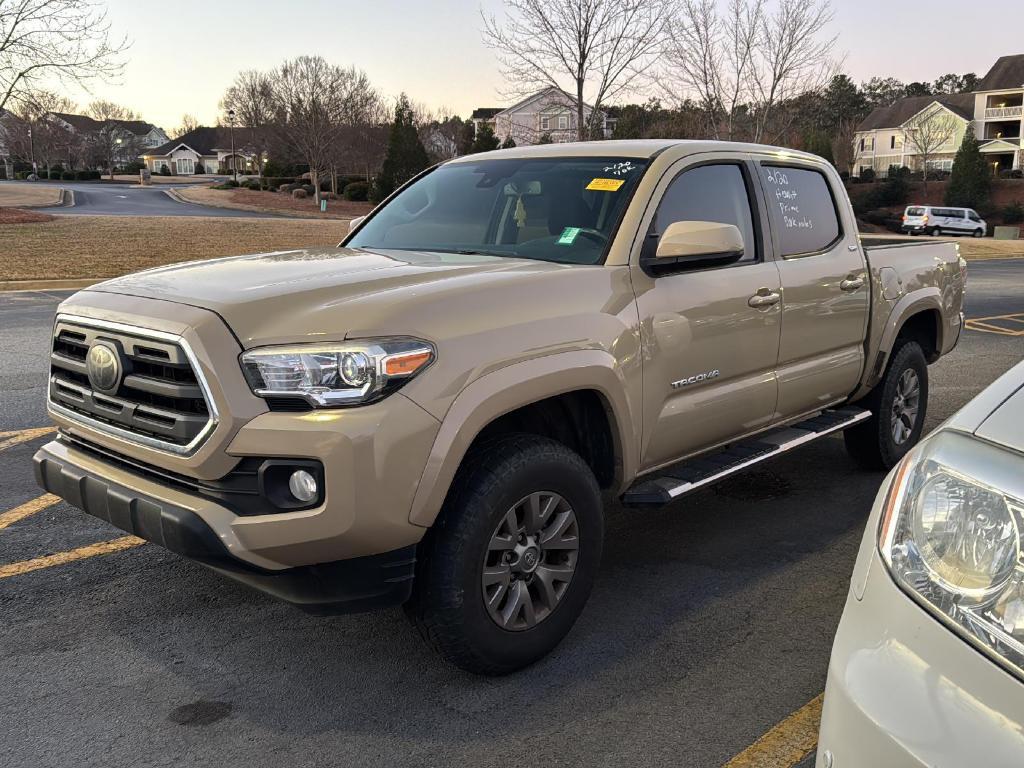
(693, 474)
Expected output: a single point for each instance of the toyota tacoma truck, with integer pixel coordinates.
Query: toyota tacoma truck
(431, 413)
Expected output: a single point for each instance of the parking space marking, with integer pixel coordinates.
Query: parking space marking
(62, 558)
(1003, 325)
(27, 509)
(10, 439)
(787, 743)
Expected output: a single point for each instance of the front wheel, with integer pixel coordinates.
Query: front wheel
(898, 405)
(934, 232)
(511, 561)
(977, 233)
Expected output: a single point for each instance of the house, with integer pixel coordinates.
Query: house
(132, 135)
(886, 137)
(202, 150)
(551, 111)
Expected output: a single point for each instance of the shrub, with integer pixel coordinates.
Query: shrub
(3, 172)
(1017, 173)
(54, 175)
(893, 192)
(253, 184)
(273, 183)
(134, 167)
(1013, 213)
(87, 175)
(67, 176)
(200, 168)
(309, 189)
(844, 175)
(299, 194)
(868, 175)
(357, 190)
(164, 170)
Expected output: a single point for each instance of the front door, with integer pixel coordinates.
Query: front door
(825, 296)
(710, 337)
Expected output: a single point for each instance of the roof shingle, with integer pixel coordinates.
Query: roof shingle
(898, 113)
(1007, 72)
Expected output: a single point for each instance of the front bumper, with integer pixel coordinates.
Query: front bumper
(169, 518)
(903, 690)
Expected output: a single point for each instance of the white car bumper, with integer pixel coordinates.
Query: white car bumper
(903, 690)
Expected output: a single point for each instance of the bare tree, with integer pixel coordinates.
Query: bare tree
(189, 123)
(929, 132)
(112, 143)
(593, 50)
(51, 143)
(107, 110)
(741, 66)
(251, 96)
(313, 102)
(64, 40)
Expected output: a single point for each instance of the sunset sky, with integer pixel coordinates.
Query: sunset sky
(183, 56)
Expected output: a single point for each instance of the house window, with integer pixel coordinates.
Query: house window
(563, 122)
(186, 167)
(545, 123)
(892, 142)
(862, 145)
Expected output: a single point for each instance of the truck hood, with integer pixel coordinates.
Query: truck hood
(329, 293)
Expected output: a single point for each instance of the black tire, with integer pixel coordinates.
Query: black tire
(934, 232)
(448, 605)
(872, 443)
(977, 233)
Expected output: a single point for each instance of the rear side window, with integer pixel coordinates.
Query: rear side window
(707, 193)
(802, 209)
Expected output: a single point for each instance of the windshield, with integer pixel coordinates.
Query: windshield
(553, 209)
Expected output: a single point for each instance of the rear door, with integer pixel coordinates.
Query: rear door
(710, 336)
(825, 290)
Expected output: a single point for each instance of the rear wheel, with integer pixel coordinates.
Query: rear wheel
(898, 405)
(510, 563)
(978, 233)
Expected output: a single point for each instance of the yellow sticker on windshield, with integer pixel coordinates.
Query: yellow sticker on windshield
(606, 185)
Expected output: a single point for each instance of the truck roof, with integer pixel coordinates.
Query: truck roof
(639, 148)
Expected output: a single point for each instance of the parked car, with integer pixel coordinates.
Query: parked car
(931, 220)
(428, 414)
(928, 664)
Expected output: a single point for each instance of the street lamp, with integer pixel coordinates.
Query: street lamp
(231, 130)
(32, 151)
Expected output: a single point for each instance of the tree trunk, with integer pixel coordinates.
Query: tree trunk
(581, 130)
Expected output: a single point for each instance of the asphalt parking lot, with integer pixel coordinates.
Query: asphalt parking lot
(712, 620)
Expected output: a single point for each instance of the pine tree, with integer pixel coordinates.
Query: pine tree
(970, 179)
(485, 139)
(405, 156)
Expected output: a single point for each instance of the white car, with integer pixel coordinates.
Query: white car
(928, 663)
(935, 220)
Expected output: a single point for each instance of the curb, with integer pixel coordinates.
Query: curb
(48, 285)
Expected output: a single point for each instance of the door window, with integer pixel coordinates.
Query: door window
(802, 209)
(715, 193)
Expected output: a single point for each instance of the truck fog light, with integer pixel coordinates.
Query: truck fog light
(302, 484)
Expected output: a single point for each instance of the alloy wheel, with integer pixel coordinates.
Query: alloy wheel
(905, 405)
(530, 561)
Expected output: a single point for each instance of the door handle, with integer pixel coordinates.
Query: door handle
(762, 300)
(852, 284)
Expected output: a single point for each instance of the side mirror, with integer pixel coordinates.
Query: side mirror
(700, 239)
(354, 223)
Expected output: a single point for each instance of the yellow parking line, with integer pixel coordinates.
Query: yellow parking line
(27, 509)
(787, 743)
(984, 327)
(23, 436)
(61, 558)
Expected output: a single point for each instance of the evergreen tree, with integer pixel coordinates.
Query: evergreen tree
(819, 143)
(405, 156)
(485, 139)
(545, 138)
(970, 179)
(466, 135)
(508, 143)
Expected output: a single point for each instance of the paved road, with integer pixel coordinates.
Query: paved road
(111, 199)
(711, 621)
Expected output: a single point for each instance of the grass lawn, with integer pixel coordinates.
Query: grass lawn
(274, 202)
(71, 247)
(25, 195)
(986, 248)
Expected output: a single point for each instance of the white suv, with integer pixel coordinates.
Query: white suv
(933, 220)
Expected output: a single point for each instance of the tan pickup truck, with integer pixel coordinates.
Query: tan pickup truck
(429, 413)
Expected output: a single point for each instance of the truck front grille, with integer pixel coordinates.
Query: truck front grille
(143, 386)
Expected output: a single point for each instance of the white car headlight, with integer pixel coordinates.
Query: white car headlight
(951, 536)
(335, 375)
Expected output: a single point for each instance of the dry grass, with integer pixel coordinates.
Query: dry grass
(106, 246)
(986, 248)
(20, 216)
(25, 195)
(273, 202)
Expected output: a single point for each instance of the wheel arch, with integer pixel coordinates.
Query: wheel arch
(562, 396)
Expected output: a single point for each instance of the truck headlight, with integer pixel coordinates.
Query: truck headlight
(950, 535)
(335, 375)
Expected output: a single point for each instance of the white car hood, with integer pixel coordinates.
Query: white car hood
(997, 414)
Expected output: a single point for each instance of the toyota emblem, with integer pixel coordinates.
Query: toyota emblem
(103, 367)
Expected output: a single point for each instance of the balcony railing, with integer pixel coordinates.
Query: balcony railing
(999, 112)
